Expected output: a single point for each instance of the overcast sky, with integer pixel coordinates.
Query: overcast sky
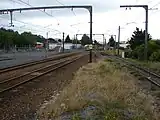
(107, 16)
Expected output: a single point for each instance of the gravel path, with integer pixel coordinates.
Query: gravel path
(22, 103)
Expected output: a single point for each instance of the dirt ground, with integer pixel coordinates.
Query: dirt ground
(22, 102)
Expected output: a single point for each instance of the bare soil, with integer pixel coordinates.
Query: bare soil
(22, 102)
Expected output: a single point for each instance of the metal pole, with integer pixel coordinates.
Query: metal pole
(47, 45)
(109, 42)
(146, 35)
(115, 46)
(44, 8)
(76, 37)
(63, 42)
(73, 41)
(90, 10)
(146, 27)
(103, 43)
(119, 29)
(76, 41)
(11, 15)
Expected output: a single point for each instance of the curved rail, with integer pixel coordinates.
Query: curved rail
(149, 75)
(154, 78)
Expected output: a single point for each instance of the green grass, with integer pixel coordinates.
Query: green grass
(155, 66)
(109, 111)
(76, 117)
(113, 52)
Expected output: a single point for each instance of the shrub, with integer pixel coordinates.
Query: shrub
(153, 53)
(155, 56)
(138, 52)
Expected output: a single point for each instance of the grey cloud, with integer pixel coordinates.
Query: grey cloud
(98, 6)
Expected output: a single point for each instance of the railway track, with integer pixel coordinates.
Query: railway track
(56, 57)
(154, 78)
(14, 82)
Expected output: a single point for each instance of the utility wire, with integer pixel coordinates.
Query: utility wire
(42, 10)
(26, 29)
(35, 25)
(74, 13)
(22, 2)
(60, 2)
(64, 5)
(32, 6)
(139, 16)
(16, 2)
(153, 7)
(31, 24)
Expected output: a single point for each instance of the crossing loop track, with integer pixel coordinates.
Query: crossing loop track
(153, 77)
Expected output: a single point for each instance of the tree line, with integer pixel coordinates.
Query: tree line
(9, 39)
(137, 46)
(84, 40)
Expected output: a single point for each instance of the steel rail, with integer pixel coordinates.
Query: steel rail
(28, 73)
(58, 65)
(58, 56)
(153, 77)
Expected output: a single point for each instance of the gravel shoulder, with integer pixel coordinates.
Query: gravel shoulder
(101, 91)
(22, 102)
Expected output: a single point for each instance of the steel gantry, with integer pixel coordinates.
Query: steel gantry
(88, 7)
(146, 25)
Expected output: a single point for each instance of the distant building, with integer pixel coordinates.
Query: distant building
(67, 46)
(39, 45)
(124, 45)
(123, 42)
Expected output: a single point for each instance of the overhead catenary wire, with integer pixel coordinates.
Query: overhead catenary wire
(40, 10)
(153, 7)
(25, 3)
(60, 2)
(41, 27)
(21, 29)
(44, 11)
(139, 16)
(64, 5)
(14, 1)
